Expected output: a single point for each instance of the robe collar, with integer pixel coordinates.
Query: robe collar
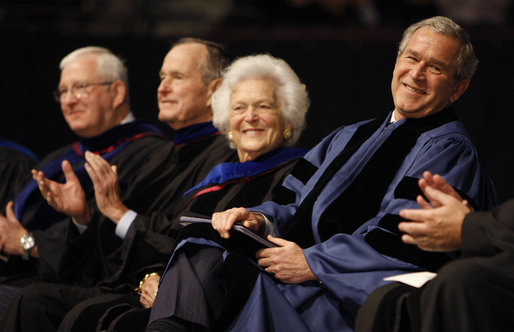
(195, 132)
(112, 138)
(225, 172)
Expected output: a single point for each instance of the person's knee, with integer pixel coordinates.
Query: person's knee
(454, 283)
(30, 294)
(458, 275)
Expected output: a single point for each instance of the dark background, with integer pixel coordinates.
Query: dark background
(346, 62)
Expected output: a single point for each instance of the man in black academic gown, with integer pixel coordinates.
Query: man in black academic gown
(123, 242)
(93, 96)
(473, 293)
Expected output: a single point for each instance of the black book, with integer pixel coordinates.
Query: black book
(242, 239)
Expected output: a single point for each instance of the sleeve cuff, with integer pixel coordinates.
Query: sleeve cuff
(81, 228)
(125, 223)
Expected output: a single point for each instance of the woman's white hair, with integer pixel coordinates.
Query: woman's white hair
(291, 93)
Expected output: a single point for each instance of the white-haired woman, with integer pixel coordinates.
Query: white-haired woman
(260, 107)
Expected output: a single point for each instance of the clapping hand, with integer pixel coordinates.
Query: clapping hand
(68, 198)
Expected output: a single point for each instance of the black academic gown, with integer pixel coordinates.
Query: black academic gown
(99, 257)
(120, 298)
(153, 193)
(15, 169)
(128, 146)
(474, 293)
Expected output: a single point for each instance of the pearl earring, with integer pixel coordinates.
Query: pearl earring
(229, 135)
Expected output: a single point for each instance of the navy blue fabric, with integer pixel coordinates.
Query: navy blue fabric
(193, 132)
(225, 172)
(14, 146)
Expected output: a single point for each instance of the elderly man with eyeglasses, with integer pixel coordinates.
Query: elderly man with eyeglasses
(93, 95)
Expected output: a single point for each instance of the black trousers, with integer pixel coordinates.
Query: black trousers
(472, 294)
(7, 295)
(201, 290)
(54, 307)
(106, 312)
(42, 306)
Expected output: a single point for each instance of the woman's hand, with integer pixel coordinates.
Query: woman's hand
(223, 221)
(149, 291)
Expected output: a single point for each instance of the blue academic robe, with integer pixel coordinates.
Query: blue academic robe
(349, 266)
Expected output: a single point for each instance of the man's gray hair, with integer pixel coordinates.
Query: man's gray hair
(291, 93)
(216, 60)
(466, 61)
(109, 66)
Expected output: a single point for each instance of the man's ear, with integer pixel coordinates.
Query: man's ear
(461, 87)
(213, 86)
(119, 91)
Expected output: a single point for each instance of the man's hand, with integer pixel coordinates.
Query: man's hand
(438, 226)
(149, 291)
(437, 182)
(107, 190)
(223, 221)
(68, 198)
(287, 262)
(11, 232)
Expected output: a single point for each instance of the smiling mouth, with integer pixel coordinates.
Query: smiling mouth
(410, 88)
(167, 101)
(252, 131)
(74, 112)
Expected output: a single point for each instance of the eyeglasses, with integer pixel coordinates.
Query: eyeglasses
(78, 90)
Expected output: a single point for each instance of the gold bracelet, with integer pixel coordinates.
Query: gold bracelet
(141, 283)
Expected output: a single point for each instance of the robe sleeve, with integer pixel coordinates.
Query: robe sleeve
(454, 157)
(488, 233)
(149, 241)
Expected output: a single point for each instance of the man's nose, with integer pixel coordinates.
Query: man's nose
(418, 71)
(68, 97)
(164, 86)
